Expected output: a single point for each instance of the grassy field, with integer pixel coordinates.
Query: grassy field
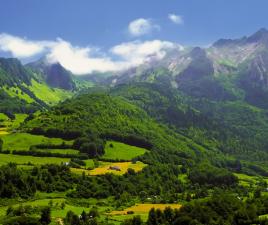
(247, 180)
(57, 213)
(89, 164)
(139, 209)
(105, 168)
(22, 141)
(22, 160)
(18, 120)
(120, 151)
(106, 211)
(3, 131)
(3, 116)
(11, 124)
(16, 92)
(47, 94)
(145, 208)
(61, 151)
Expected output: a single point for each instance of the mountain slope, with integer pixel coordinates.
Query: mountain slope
(110, 116)
(55, 75)
(35, 86)
(233, 127)
(225, 71)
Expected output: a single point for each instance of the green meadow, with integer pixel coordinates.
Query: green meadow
(120, 151)
(61, 151)
(246, 180)
(22, 160)
(3, 117)
(47, 94)
(17, 92)
(12, 124)
(23, 141)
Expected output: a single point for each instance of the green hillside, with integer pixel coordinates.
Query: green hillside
(234, 127)
(26, 90)
(114, 117)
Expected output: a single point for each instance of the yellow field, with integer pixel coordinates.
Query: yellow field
(105, 168)
(3, 131)
(145, 208)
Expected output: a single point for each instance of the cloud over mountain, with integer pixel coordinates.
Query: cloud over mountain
(83, 60)
(21, 47)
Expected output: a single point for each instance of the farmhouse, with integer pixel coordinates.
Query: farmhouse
(116, 168)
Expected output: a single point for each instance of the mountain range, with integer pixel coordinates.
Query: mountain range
(189, 129)
(229, 69)
(217, 97)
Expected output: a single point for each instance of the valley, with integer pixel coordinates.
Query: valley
(183, 139)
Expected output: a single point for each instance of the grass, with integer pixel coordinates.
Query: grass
(183, 178)
(12, 124)
(145, 208)
(23, 141)
(25, 167)
(3, 116)
(17, 122)
(17, 92)
(105, 168)
(61, 213)
(89, 164)
(120, 151)
(49, 95)
(246, 180)
(118, 219)
(3, 131)
(56, 211)
(61, 151)
(22, 160)
(139, 209)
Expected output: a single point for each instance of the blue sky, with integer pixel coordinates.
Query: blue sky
(103, 24)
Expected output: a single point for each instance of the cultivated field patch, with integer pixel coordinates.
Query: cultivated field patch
(3, 131)
(22, 160)
(23, 141)
(145, 208)
(120, 151)
(118, 168)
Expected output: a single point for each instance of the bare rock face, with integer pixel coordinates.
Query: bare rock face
(54, 74)
(254, 80)
(258, 71)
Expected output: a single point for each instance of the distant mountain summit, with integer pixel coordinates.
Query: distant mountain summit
(261, 36)
(229, 69)
(54, 74)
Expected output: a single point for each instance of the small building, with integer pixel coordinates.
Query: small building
(116, 168)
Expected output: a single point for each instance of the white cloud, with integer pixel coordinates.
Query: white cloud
(176, 18)
(83, 60)
(136, 53)
(141, 27)
(79, 60)
(21, 47)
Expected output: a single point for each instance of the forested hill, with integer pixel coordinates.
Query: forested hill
(114, 117)
(234, 126)
(36, 86)
(175, 126)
